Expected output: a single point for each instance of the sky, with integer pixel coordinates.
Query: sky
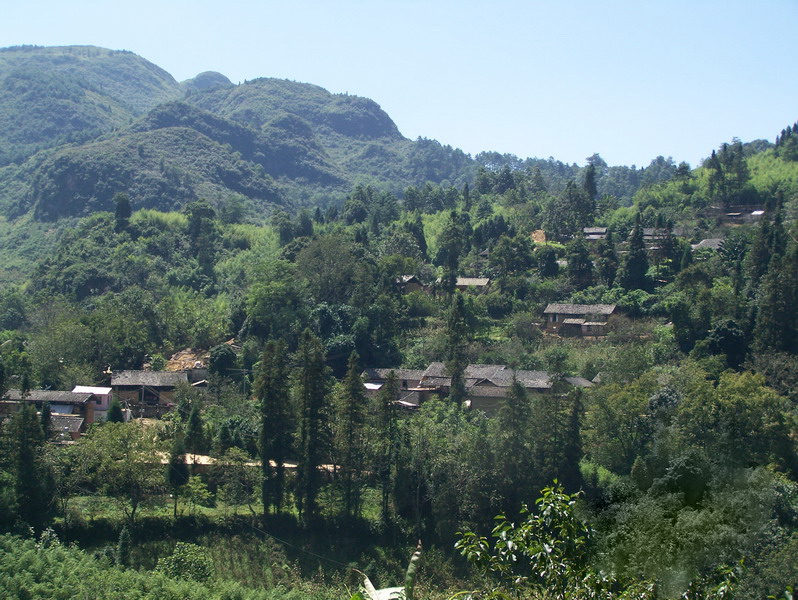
(628, 79)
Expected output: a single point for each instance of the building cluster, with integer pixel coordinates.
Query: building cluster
(487, 386)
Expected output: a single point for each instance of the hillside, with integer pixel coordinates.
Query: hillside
(76, 127)
(51, 96)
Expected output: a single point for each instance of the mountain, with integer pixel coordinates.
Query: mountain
(79, 123)
(51, 96)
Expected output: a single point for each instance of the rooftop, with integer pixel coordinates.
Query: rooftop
(148, 378)
(51, 396)
(580, 309)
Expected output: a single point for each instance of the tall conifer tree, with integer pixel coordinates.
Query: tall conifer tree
(456, 361)
(272, 392)
(349, 443)
(311, 393)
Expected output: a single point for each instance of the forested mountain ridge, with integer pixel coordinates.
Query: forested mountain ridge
(75, 129)
(70, 137)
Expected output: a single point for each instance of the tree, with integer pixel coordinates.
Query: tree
(728, 174)
(776, 327)
(46, 419)
(349, 440)
(607, 263)
(188, 561)
(202, 234)
(547, 262)
(272, 392)
(511, 257)
(591, 188)
(311, 391)
(544, 554)
(30, 480)
(121, 462)
(223, 362)
(384, 435)
(450, 245)
(513, 448)
(122, 212)
(580, 265)
(195, 438)
(456, 361)
(177, 472)
(240, 482)
(115, 414)
(123, 548)
(569, 212)
(276, 301)
(635, 266)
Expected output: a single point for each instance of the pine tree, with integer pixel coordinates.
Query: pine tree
(450, 243)
(385, 434)
(30, 481)
(776, 327)
(195, 432)
(591, 189)
(272, 393)
(456, 361)
(123, 548)
(311, 393)
(580, 266)
(349, 439)
(47, 420)
(122, 211)
(513, 447)
(607, 263)
(115, 414)
(633, 275)
(177, 473)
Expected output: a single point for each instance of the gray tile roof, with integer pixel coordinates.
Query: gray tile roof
(475, 281)
(382, 374)
(580, 309)
(68, 423)
(51, 396)
(148, 378)
(498, 375)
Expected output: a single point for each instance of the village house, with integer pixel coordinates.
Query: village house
(578, 320)
(479, 284)
(407, 380)
(103, 396)
(593, 234)
(487, 386)
(708, 244)
(147, 393)
(71, 412)
(410, 283)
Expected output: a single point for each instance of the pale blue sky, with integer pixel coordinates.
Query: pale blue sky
(629, 79)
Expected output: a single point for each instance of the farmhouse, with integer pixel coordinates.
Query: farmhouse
(72, 410)
(578, 320)
(147, 393)
(487, 386)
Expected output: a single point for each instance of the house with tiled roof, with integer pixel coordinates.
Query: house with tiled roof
(79, 407)
(487, 386)
(147, 393)
(578, 320)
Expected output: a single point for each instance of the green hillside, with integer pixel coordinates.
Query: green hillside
(51, 96)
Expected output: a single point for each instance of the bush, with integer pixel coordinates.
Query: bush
(188, 561)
